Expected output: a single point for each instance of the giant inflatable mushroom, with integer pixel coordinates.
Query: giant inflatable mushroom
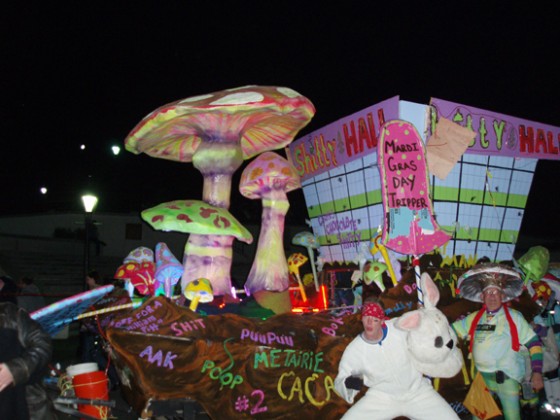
(208, 250)
(269, 177)
(218, 131)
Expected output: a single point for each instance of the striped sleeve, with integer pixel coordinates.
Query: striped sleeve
(535, 351)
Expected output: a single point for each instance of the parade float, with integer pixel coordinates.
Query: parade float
(393, 192)
(481, 165)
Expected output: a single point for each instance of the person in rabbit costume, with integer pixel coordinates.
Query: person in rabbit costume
(391, 357)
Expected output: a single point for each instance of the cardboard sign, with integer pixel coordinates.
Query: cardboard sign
(410, 227)
(446, 146)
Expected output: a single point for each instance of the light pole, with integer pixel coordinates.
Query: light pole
(89, 201)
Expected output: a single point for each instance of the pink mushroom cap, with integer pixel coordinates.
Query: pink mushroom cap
(260, 117)
(268, 171)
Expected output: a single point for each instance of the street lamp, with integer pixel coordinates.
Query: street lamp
(90, 201)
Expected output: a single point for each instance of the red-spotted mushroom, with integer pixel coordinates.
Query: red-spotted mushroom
(269, 177)
(137, 271)
(218, 131)
(208, 250)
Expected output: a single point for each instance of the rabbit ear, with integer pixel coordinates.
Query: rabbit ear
(409, 321)
(430, 291)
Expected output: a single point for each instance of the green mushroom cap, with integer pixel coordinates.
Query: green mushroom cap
(195, 216)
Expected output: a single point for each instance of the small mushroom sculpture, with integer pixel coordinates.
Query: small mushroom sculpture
(138, 271)
(208, 250)
(199, 291)
(295, 261)
(534, 263)
(308, 240)
(373, 271)
(375, 246)
(269, 177)
(362, 255)
(168, 270)
(218, 131)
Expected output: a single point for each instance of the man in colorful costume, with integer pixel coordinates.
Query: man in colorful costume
(545, 290)
(378, 358)
(496, 332)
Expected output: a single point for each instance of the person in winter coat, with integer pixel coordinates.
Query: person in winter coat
(24, 355)
(8, 290)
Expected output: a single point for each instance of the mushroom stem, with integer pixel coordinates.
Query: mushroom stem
(217, 160)
(385, 255)
(194, 303)
(270, 270)
(167, 288)
(209, 256)
(301, 287)
(129, 287)
(313, 269)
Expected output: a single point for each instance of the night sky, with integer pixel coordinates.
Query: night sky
(75, 72)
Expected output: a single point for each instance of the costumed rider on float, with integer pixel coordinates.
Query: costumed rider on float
(496, 333)
(379, 359)
(544, 288)
(545, 326)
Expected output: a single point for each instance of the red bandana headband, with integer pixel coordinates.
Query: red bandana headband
(373, 309)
